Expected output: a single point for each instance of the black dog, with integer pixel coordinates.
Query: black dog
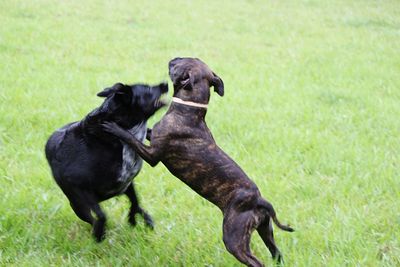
(184, 144)
(91, 165)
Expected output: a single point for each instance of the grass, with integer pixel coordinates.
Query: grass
(311, 113)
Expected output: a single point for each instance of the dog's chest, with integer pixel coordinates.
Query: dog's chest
(131, 162)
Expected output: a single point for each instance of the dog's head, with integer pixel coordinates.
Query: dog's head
(192, 80)
(129, 104)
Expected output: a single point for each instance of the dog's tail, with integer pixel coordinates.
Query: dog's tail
(271, 212)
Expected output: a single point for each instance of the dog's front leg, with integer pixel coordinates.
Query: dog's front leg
(147, 153)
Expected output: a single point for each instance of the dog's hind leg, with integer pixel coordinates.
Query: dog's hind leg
(99, 224)
(237, 229)
(135, 208)
(266, 233)
(82, 211)
(83, 203)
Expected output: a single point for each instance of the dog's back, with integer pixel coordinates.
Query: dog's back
(55, 140)
(62, 150)
(105, 167)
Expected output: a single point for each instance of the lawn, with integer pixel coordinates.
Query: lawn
(311, 112)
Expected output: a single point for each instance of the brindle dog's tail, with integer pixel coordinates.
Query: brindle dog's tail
(271, 212)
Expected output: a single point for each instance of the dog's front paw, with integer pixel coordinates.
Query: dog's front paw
(99, 231)
(148, 220)
(110, 127)
(114, 129)
(132, 219)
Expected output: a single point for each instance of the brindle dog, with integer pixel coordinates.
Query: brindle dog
(184, 144)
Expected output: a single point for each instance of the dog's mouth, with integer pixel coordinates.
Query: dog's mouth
(160, 102)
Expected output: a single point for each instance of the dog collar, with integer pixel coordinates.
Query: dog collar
(189, 103)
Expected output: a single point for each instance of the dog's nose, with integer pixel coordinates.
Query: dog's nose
(164, 87)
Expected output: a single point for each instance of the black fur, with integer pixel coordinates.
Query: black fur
(88, 164)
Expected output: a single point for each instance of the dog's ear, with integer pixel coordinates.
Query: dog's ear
(110, 90)
(124, 95)
(190, 80)
(218, 84)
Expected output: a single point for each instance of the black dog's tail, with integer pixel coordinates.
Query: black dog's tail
(271, 212)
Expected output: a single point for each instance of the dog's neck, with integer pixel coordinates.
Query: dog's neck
(190, 112)
(189, 103)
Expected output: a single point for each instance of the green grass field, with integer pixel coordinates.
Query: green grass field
(311, 112)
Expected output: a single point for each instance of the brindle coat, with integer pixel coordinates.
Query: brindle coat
(184, 144)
